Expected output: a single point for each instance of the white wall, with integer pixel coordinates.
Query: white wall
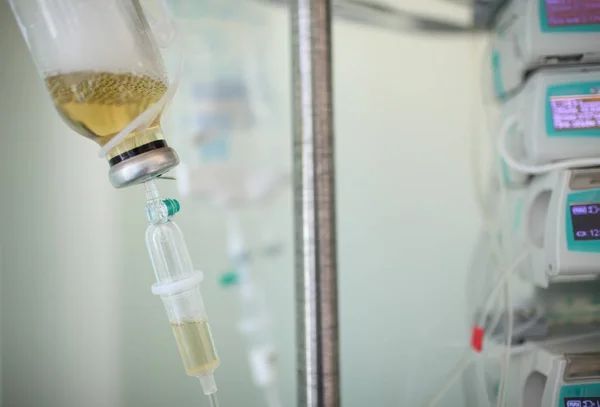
(59, 249)
(74, 261)
(403, 178)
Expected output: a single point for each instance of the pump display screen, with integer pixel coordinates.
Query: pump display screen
(561, 13)
(577, 112)
(586, 221)
(582, 402)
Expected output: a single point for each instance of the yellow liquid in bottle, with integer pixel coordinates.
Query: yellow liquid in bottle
(196, 347)
(99, 105)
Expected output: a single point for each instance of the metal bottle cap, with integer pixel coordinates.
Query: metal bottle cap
(143, 167)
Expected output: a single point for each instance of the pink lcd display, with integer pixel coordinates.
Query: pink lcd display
(562, 13)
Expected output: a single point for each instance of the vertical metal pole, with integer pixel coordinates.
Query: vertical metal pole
(314, 186)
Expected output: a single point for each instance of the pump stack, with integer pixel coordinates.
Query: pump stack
(545, 64)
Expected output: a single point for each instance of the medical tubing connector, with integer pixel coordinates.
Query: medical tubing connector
(178, 285)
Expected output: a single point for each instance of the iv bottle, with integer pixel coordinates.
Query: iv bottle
(102, 68)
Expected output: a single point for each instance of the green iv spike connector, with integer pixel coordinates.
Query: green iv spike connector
(172, 206)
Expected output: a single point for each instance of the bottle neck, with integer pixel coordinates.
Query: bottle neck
(137, 143)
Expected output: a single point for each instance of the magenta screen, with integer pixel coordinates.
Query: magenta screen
(561, 13)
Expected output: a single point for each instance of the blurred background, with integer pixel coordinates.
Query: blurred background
(79, 324)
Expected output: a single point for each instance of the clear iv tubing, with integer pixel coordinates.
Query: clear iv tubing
(146, 117)
(529, 324)
(471, 356)
(500, 402)
(475, 145)
(487, 100)
(497, 248)
(214, 401)
(178, 285)
(504, 279)
(502, 146)
(511, 332)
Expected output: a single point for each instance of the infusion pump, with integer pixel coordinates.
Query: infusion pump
(530, 34)
(560, 221)
(560, 375)
(555, 116)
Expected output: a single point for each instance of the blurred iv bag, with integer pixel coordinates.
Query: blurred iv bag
(102, 67)
(225, 110)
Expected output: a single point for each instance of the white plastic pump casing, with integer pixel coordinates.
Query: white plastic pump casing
(524, 40)
(556, 254)
(533, 139)
(549, 373)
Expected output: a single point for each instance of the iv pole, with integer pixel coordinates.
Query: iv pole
(314, 197)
